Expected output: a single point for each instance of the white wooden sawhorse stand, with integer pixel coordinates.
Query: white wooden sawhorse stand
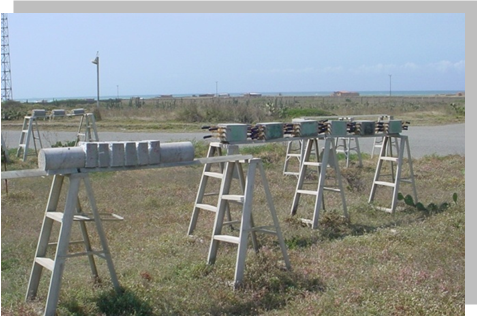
(87, 131)
(378, 141)
(72, 212)
(215, 149)
(378, 144)
(247, 226)
(295, 149)
(30, 130)
(394, 179)
(328, 159)
(347, 147)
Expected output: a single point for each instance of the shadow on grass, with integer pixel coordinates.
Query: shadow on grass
(268, 292)
(122, 303)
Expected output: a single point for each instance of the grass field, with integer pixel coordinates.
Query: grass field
(411, 262)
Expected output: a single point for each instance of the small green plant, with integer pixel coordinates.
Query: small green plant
(276, 109)
(64, 144)
(431, 207)
(459, 110)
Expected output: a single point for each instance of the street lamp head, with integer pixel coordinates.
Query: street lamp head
(95, 61)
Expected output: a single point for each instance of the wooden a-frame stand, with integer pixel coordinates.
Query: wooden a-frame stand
(72, 212)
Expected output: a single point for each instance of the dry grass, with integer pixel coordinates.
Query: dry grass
(408, 263)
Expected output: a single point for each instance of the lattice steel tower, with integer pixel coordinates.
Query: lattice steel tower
(6, 71)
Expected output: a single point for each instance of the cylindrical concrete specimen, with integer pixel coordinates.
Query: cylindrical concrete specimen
(154, 152)
(130, 154)
(91, 151)
(61, 158)
(114, 154)
(177, 152)
(142, 153)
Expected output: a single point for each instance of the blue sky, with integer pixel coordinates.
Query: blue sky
(167, 53)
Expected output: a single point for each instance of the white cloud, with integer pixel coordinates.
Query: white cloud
(410, 66)
(371, 69)
(446, 66)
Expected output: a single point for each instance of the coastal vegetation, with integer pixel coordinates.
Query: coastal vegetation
(179, 114)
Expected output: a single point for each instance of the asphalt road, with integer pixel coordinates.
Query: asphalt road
(423, 140)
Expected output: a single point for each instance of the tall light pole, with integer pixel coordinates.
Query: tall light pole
(96, 62)
(216, 89)
(390, 85)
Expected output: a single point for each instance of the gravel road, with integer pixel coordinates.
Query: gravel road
(423, 140)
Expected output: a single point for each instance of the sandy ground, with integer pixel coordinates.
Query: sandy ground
(424, 140)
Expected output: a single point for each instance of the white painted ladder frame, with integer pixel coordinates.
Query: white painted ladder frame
(66, 219)
(347, 148)
(247, 226)
(402, 144)
(28, 131)
(328, 158)
(378, 143)
(291, 154)
(87, 122)
(215, 148)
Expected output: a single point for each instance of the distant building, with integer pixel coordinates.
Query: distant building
(252, 94)
(345, 94)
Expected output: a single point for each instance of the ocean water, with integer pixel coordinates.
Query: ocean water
(310, 93)
(238, 94)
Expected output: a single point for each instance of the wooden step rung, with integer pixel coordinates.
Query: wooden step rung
(82, 217)
(312, 163)
(228, 238)
(56, 216)
(291, 173)
(388, 184)
(331, 189)
(394, 159)
(45, 262)
(206, 207)
(309, 192)
(233, 197)
(213, 174)
(386, 209)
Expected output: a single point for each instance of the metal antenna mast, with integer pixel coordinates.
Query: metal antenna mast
(6, 71)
